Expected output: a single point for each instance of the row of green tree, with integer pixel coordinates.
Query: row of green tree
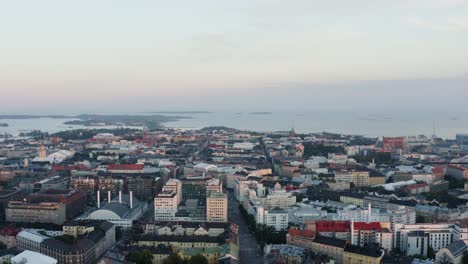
(146, 257)
(263, 234)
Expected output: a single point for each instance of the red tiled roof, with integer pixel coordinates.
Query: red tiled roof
(438, 170)
(125, 166)
(9, 231)
(78, 167)
(302, 233)
(367, 226)
(332, 226)
(416, 186)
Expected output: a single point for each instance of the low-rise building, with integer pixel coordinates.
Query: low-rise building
(358, 255)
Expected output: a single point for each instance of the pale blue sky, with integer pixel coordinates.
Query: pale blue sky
(166, 54)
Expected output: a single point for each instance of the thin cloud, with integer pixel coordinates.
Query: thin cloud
(450, 24)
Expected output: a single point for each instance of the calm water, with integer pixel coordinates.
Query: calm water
(446, 125)
(395, 124)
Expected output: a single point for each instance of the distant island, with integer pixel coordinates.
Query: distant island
(148, 121)
(260, 113)
(3, 125)
(179, 112)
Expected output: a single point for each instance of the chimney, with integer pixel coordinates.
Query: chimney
(370, 213)
(120, 196)
(98, 199)
(131, 199)
(108, 196)
(352, 232)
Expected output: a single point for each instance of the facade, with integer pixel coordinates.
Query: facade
(217, 207)
(278, 200)
(8, 236)
(144, 187)
(74, 201)
(165, 206)
(195, 188)
(82, 251)
(43, 212)
(175, 186)
(415, 239)
(300, 238)
(120, 211)
(332, 247)
(453, 253)
(358, 255)
(102, 233)
(30, 240)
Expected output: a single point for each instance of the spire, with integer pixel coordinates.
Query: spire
(292, 133)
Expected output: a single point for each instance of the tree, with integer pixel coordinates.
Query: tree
(465, 257)
(198, 259)
(173, 258)
(430, 253)
(144, 257)
(445, 260)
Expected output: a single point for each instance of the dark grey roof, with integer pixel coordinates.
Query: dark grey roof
(330, 241)
(120, 209)
(457, 248)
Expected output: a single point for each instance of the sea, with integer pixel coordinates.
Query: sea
(445, 125)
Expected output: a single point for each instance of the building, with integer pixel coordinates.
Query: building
(300, 238)
(175, 186)
(214, 185)
(30, 240)
(74, 201)
(31, 257)
(395, 143)
(376, 180)
(285, 254)
(358, 178)
(415, 239)
(332, 247)
(121, 211)
(92, 239)
(165, 205)
(102, 233)
(8, 236)
(453, 253)
(358, 255)
(278, 199)
(88, 185)
(144, 187)
(195, 188)
(217, 207)
(457, 172)
(81, 251)
(462, 139)
(125, 168)
(42, 212)
(353, 198)
(5, 197)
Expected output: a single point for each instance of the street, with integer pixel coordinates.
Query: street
(249, 249)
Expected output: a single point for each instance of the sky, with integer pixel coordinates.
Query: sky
(127, 56)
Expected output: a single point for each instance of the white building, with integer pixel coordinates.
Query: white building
(30, 239)
(278, 199)
(121, 211)
(408, 238)
(165, 205)
(31, 257)
(175, 186)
